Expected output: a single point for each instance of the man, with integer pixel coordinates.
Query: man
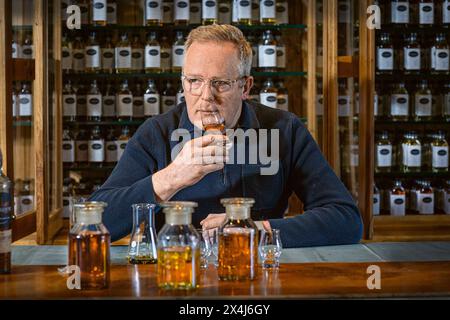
(216, 79)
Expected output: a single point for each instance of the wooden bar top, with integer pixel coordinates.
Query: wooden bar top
(295, 280)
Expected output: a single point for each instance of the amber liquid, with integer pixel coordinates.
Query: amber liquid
(90, 251)
(178, 268)
(215, 127)
(142, 260)
(238, 254)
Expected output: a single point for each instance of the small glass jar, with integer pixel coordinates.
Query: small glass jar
(178, 248)
(89, 245)
(238, 241)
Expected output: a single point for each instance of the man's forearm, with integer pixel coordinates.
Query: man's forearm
(165, 185)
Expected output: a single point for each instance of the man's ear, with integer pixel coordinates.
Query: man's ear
(247, 87)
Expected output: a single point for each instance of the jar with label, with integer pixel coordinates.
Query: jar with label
(344, 12)
(267, 52)
(383, 153)
(84, 11)
(399, 104)
(111, 12)
(425, 198)
(166, 54)
(69, 102)
(167, 7)
(109, 103)
(397, 199)
(281, 53)
(376, 200)
(138, 102)
(244, 12)
(439, 153)
(282, 96)
(168, 97)
(124, 102)
(68, 148)
(108, 55)
(81, 148)
(400, 12)
(385, 54)
(153, 13)
(181, 12)
(267, 12)
(27, 196)
(446, 13)
(255, 12)
(152, 54)
(96, 144)
(412, 54)
(78, 55)
(122, 141)
(282, 15)
(344, 102)
(98, 13)
(426, 13)
(446, 102)
(66, 54)
(94, 103)
(195, 12)
(178, 52)
(151, 99)
(413, 194)
(123, 55)
(210, 12)
(410, 153)
(27, 47)
(423, 110)
(111, 148)
(25, 102)
(268, 94)
(440, 55)
(137, 54)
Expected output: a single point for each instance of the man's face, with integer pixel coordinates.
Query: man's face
(212, 60)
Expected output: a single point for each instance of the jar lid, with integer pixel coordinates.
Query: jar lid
(237, 201)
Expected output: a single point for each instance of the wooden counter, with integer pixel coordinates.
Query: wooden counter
(294, 280)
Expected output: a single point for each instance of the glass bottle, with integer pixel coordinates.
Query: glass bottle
(69, 102)
(425, 198)
(167, 11)
(181, 12)
(209, 12)
(178, 248)
(142, 248)
(111, 148)
(400, 12)
(82, 148)
(152, 54)
(66, 55)
(254, 43)
(446, 13)
(137, 54)
(6, 217)
(225, 12)
(267, 52)
(81, 102)
(268, 94)
(238, 241)
(78, 55)
(399, 105)
(25, 103)
(153, 13)
(440, 55)
(98, 12)
(383, 153)
(124, 103)
(109, 103)
(96, 144)
(244, 12)
(108, 55)
(123, 55)
(446, 102)
(168, 97)
(68, 148)
(138, 102)
(255, 12)
(412, 55)
(281, 53)
(411, 153)
(122, 141)
(423, 103)
(397, 199)
(439, 153)
(151, 99)
(282, 15)
(84, 11)
(94, 103)
(282, 96)
(376, 200)
(89, 245)
(267, 12)
(111, 12)
(27, 47)
(166, 54)
(178, 52)
(426, 13)
(196, 12)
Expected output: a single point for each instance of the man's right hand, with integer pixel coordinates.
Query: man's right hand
(196, 159)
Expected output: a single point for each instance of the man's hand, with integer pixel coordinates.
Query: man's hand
(196, 159)
(212, 221)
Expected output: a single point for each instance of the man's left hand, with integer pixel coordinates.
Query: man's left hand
(212, 221)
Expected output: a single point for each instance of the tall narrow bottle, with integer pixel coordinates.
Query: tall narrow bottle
(168, 97)
(267, 52)
(108, 55)
(69, 102)
(244, 12)
(383, 153)
(138, 102)
(412, 55)
(440, 55)
(137, 54)
(411, 153)
(439, 153)
(268, 94)
(25, 102)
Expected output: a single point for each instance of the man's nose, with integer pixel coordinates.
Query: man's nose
(207, 93)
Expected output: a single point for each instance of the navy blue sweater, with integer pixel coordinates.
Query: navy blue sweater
(330, 217)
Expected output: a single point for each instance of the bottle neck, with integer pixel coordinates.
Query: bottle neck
(89, 217)
(237, 212)
(178, 218)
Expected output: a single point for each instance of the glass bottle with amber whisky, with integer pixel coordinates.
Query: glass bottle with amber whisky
(399, 104)
(267, 12)
(151, 99)
(124, 102)
(178, 248)
(138, 102)
(123, 54)
(152, 54)
(411, 153)
(440, 55)
(168, 97)
(178, 52)
(137, 54)
(281, 53)
(69, 102)
(153, 12)
(166, 54)
(81, 148)
(108, 55)
(181, 12)
(425, 198)
(426, 13)
(210, 12)
(423, 103)
(94, 103)
(224, 12)
(400, 10)
(244, 12)
(439, 153)
(282, 96)
(111, 12)
(98, 12)
(268, 94)
(412, 55)
(78, 55)
(122, 141)
(383, 153)
(282, 15)
(238, 241)
(167, 6)
(385, 54)
(195, 14)
(397, 199)
(109, 103)
(267, 52)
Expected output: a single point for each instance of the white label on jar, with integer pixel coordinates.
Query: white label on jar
(69, 105)
(425, 203)
(440, 59)
(385, 58)
(439, 156)
(96, 150)
(27, 51)
(166, 55)
(267, 9)
(178, 56)
(376, 204)
(111, 151)
(123, 57)
(255, 56)
(267, 56)
(167, 11)
(92, 57)
(423, 105)
(137, 59)
(447, 202)
(167, 102)
(268, 99)
(411, 59)
(81, 154)
(181, 10)
(68, 151)
(94, 105)
(108, 57)
(224, 13)
(344, 108)
(283, 102)
(319, 105)
(281, 57)
(384, 156)
(282, 13)
(397, 204)
(151, 104)
(400, 12)
(5, 241)
(152, 56)
(109, 106)
(399, 104)
(446, 12)
(25, 105)
(153, 10)
(26, 203)
(244, 9)
(99, 10)
(138, 107)
(180, 98)
(344, 11)
(196, 13)
(66, 60)
(78, 59)
(209, 9)
(15, 50)
(426, 13)
(121, 145)
(125, 105)
(412, 155)
(81, 105)
(112, 13)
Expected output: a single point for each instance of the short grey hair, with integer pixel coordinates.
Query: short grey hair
(228, 33)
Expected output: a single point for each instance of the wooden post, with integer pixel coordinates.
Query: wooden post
(312, 69)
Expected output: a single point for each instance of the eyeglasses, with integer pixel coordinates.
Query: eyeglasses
(195, 85)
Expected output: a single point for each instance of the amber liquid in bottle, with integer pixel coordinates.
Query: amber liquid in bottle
(215, 127)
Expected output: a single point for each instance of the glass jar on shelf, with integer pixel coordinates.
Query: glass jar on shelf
(410, 153)
(383, 153)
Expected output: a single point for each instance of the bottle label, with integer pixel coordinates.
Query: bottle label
(180, 98)
(283, 102)
(412, 155)
(224, 13)
(25, 105)
(121, 145)
(439, 156)
(384, 156)
(82, 147)
(153, 10)
(412, 59)
(26, 203)
(344, 108)
(99, 10)
(400, 12)
(123, 57)
(152, 56)
(151, 104)
(376, 204)
(167, 11)
(111, 14)
(446, 12)
(281, 57)
(425, 203)
(267, 55)
(66, 62)
(108, 57)
(166, 56)
(178, 56)
(137, 59)
(267, 9)
(96, 150)
(385, 59)
(138, 107)
(94, 105)
(426, 13)
(344, 11)
(27, 51)
(195, 13)
(109, 106)
(268, 99)
(125, 105)
(181, 10)
(397, 204)
(244, 9)
(423, 105)
(282, 13)
(209, 9)
(68, 151)
(399, 104)
(5, 241)
(69, 105)
(440, 59)
(111, 151)
(167, 102)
